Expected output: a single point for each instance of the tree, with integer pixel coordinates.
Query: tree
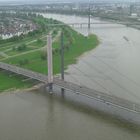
(43, 55)
(23, 62)
(22, 47)
(13, 48)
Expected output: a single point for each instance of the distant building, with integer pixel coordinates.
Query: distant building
(134, 15)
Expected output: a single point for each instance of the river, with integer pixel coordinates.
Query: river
(114, 66)
(40, 116)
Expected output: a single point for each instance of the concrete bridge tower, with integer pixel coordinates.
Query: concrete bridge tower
(50, 62)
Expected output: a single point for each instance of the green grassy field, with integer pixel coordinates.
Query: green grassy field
(79, 44)
(12, 82)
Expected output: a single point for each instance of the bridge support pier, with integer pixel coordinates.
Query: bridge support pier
(50, 88)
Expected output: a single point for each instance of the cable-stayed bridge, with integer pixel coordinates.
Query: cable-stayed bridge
(126, 109)
(90, 93)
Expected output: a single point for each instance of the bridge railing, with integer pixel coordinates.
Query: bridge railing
(91, 93)
(25, 72)
(104, 97)
(94, 23)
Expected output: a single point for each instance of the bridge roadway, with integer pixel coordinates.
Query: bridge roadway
(84, 91)
(95, 23)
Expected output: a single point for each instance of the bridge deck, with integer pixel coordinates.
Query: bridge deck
(21, 71)
(95, 23)
(103, 97)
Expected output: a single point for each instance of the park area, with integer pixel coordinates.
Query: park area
(30, 52)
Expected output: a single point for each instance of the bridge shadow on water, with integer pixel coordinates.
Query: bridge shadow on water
(80, 104)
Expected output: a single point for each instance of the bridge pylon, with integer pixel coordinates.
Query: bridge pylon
(62, 60)
(50, 62)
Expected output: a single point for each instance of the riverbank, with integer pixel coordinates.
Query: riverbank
(75, 45)
(34, 88)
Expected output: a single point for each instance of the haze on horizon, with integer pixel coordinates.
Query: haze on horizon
(51, 1)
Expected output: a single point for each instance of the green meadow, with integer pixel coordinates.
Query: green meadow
(34, 57)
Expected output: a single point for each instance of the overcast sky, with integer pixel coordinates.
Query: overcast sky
(67, 0)
(45, 1)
